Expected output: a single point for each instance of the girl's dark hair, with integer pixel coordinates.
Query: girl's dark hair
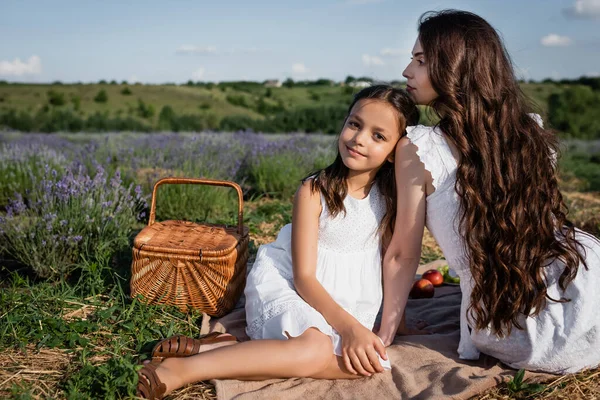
(331, 181)
(513, 216)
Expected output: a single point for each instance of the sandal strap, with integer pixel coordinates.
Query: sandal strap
(149, 385)
(184, 346)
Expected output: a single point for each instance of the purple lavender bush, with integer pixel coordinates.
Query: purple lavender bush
(20, 163)
(69, 217)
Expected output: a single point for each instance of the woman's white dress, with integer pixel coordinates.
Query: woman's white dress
(348, 267)
(562, 338)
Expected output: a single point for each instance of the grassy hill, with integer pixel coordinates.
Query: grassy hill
(208, 102)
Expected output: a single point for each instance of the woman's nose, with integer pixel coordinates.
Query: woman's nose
(406, 71)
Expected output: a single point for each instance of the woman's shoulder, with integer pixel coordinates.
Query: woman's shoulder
(430, 146)
(425, 137)
(420, 133)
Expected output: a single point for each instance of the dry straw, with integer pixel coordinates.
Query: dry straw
(185, 264)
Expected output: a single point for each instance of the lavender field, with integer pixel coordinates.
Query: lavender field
(76, 191)
(70, 205)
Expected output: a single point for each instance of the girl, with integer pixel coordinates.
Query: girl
(484, 181)
(313, 295)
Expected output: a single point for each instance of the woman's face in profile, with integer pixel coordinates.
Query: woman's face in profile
(418, 84)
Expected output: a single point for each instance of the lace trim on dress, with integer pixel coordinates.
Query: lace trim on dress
(365, 318)
(429, 152)
(270, 312)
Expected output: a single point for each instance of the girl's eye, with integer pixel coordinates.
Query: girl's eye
(379, 136)
(353, 124)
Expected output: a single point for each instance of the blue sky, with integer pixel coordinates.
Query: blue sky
(158, 41)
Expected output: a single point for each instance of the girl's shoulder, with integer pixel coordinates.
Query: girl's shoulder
(308, 195)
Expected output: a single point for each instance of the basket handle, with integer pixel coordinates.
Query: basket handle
(199, 181)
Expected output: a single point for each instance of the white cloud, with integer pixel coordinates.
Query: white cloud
(584, 9)
(372, 60)
(389, 52)
(33, 66)
(191, 49)
(554, 40)
(299, 69)
(362, 2)
(198, 74)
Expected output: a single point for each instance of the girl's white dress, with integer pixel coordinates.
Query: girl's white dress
(562, 338)
(348, 267)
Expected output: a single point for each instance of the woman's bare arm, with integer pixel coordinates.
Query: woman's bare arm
(402, 257)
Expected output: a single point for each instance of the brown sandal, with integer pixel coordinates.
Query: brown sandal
(184, 346)
(149, 386)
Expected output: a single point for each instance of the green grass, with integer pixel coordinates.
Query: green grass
(91, 317)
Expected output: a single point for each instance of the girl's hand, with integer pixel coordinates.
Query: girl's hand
(360, 350)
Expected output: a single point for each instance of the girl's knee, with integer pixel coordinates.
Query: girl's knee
(313, 350)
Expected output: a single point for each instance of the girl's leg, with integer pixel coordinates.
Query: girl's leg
(336, 369)
(308, 355)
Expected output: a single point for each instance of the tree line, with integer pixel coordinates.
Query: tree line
(573, 111)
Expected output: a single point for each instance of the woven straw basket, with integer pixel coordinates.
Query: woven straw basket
(185, 264)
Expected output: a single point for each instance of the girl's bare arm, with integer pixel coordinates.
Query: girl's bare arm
(305, 232)
(360, 346)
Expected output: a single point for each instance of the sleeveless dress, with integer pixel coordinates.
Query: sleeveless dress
(348, 267)
(562, 338)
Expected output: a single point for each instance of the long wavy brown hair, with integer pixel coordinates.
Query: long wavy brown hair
(331, 181)
(513, 216)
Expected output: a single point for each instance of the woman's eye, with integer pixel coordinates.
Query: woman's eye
(421, 62)
(353, 124)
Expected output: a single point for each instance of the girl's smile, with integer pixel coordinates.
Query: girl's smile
(354, 152)
(369, 136)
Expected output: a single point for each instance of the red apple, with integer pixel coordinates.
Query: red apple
(434, 276)
(422, 289)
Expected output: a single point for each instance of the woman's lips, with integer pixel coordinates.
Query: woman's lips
(409, 88)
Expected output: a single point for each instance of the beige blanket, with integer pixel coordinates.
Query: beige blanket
(423, 366)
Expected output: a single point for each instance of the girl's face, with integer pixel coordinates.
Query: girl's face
(369, 136)
(418, 84)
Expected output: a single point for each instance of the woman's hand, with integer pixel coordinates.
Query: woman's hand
(360, 350)
(387, 339)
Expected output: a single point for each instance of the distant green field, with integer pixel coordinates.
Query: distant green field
(193, 100)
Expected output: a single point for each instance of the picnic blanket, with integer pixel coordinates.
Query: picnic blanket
(423, 366)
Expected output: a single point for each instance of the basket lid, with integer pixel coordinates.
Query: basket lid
(188, 238)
